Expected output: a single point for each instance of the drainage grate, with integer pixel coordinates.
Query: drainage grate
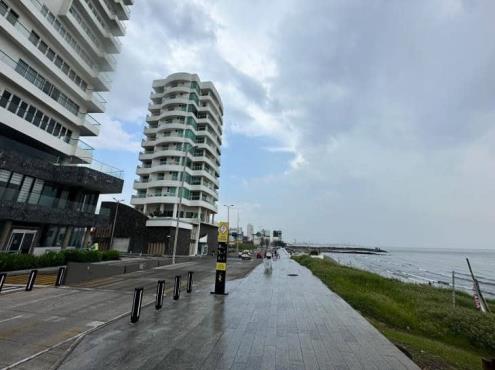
(292, 275)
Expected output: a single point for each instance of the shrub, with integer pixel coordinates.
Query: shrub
(11, 261)
(110, 255)
(50, 259)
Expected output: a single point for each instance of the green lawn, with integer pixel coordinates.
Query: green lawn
(418, 317)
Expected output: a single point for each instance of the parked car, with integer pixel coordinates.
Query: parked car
(259, 255)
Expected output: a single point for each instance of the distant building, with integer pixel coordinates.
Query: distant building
(180, 161)
(55, 56)
(236, 235)
(249, 232)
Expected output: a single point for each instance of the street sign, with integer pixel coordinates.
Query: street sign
(223, 232)
(221, 266)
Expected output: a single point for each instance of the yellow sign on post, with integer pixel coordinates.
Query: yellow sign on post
(223, 232)
(221, 266)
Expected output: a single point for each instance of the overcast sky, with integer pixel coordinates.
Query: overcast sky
(369, 122)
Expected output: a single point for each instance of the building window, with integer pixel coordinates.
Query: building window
(25, 189)
(12, 17)
(77, 237)
(44, 123)
(34, 116)
(49, 239)
(50, 54)
(34, 38)
(48, 195)
(43, 47)
(3, 7)
(22, 109)
(30, 114)
(14, 104)
(4, 181)
(34, 197)
(31, 75)
(56, 130)
(13, 186)
(5, 98)
(51, 126)
(58, 61)
(37, 118)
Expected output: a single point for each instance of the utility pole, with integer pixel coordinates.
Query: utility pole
(237, 237)
(114, 220)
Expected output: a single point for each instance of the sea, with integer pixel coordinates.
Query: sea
(433, 266)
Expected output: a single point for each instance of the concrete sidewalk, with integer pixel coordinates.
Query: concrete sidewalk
(268, 321)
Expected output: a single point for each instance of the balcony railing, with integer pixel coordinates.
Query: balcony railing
(89, 119)
(65, 35)
(98, 98)
(81, 144)
(97, 166)
(39, 81)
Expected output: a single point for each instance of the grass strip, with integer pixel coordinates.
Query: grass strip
(418, 317)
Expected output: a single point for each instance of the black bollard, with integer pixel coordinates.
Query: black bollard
(31, 279)
(2, 280)
(189, 281)
(160, 289)
(60, 276)
(136, 304)
(177, 288)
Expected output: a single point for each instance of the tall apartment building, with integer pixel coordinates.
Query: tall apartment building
(55, 56)
(180, 162)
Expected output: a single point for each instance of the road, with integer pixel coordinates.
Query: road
(37, 327)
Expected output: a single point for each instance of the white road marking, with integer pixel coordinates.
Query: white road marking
(12, 318)
(166, 267)
(94, 324)
(77, 337)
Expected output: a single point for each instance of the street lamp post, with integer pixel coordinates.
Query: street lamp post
(114, 220)
(228, 221)
(237, 234)
(179, 207)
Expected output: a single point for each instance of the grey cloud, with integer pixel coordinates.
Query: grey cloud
(179, 20)
(407, 57)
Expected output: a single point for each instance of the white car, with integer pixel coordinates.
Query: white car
(245, 256)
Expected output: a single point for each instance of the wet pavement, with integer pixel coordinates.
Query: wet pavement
(268, 321)
(38, 327)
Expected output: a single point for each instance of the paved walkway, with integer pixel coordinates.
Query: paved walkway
(269, 321)
(44, 322)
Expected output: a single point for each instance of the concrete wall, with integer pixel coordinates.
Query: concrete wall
(160, 234)
(32, 213)
(79, 272)
(212, 232)
(130, 224)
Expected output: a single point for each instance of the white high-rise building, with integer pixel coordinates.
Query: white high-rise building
(181, 160)
(249, 232)
(55, 58)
